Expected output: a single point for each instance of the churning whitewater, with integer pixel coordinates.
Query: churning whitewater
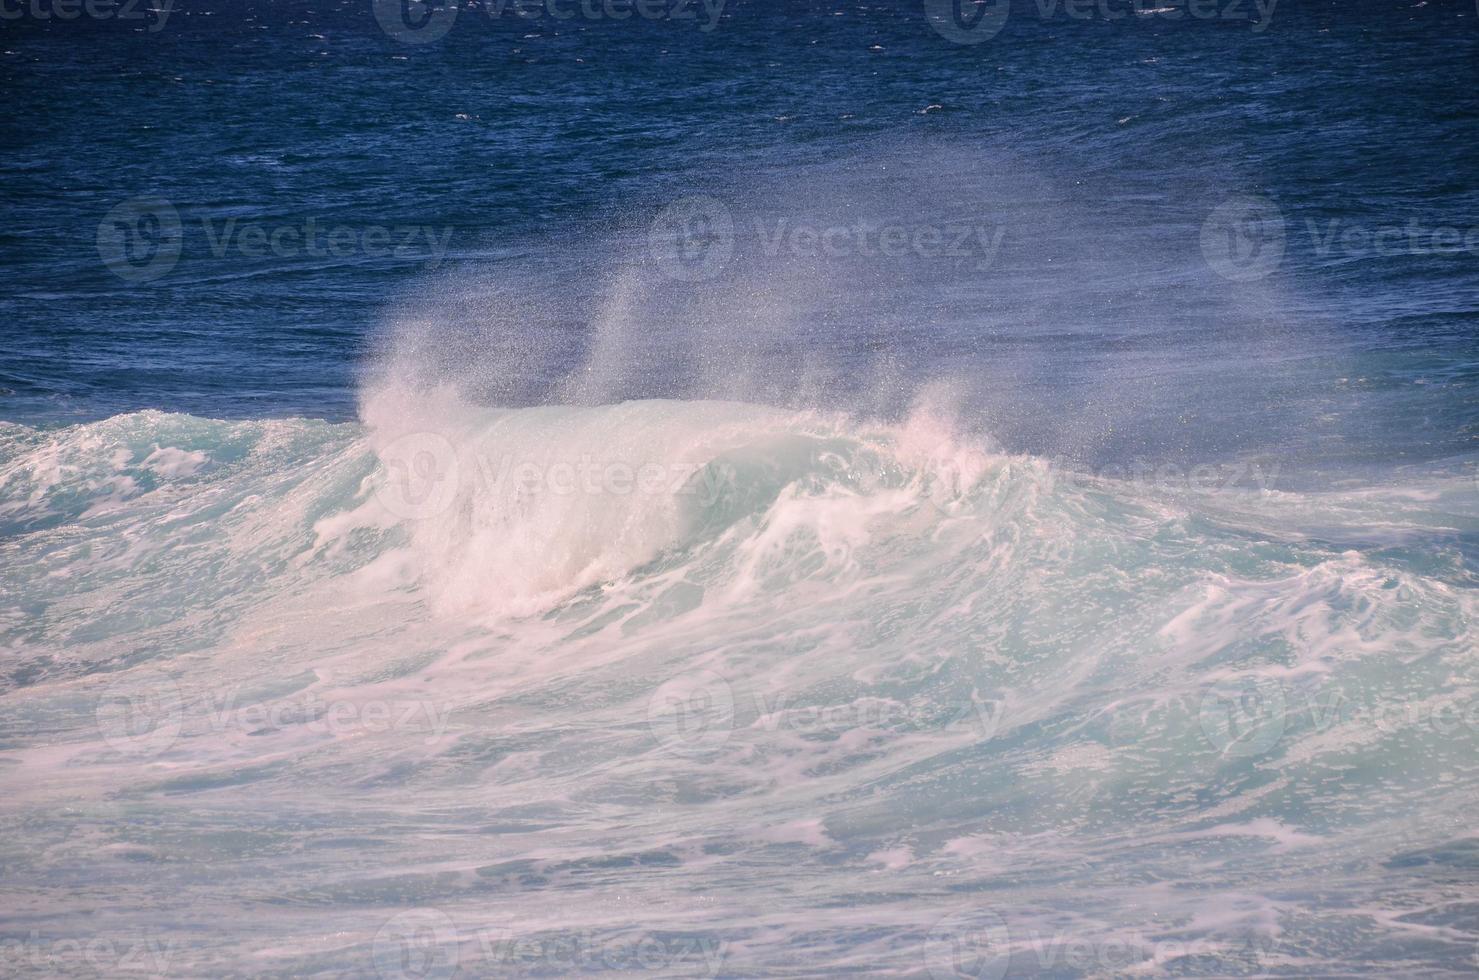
(695, 665)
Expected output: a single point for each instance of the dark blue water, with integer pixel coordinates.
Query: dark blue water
(521, 140)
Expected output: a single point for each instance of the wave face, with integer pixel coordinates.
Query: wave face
(699, 687)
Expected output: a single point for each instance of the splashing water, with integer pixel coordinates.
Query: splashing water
(513, 675)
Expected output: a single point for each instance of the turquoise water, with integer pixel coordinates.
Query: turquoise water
(826, 696)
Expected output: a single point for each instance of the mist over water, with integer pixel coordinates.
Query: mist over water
(856, 284)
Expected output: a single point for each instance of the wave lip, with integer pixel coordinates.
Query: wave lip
(508, 510)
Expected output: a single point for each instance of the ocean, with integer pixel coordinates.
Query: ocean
(737, 489)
